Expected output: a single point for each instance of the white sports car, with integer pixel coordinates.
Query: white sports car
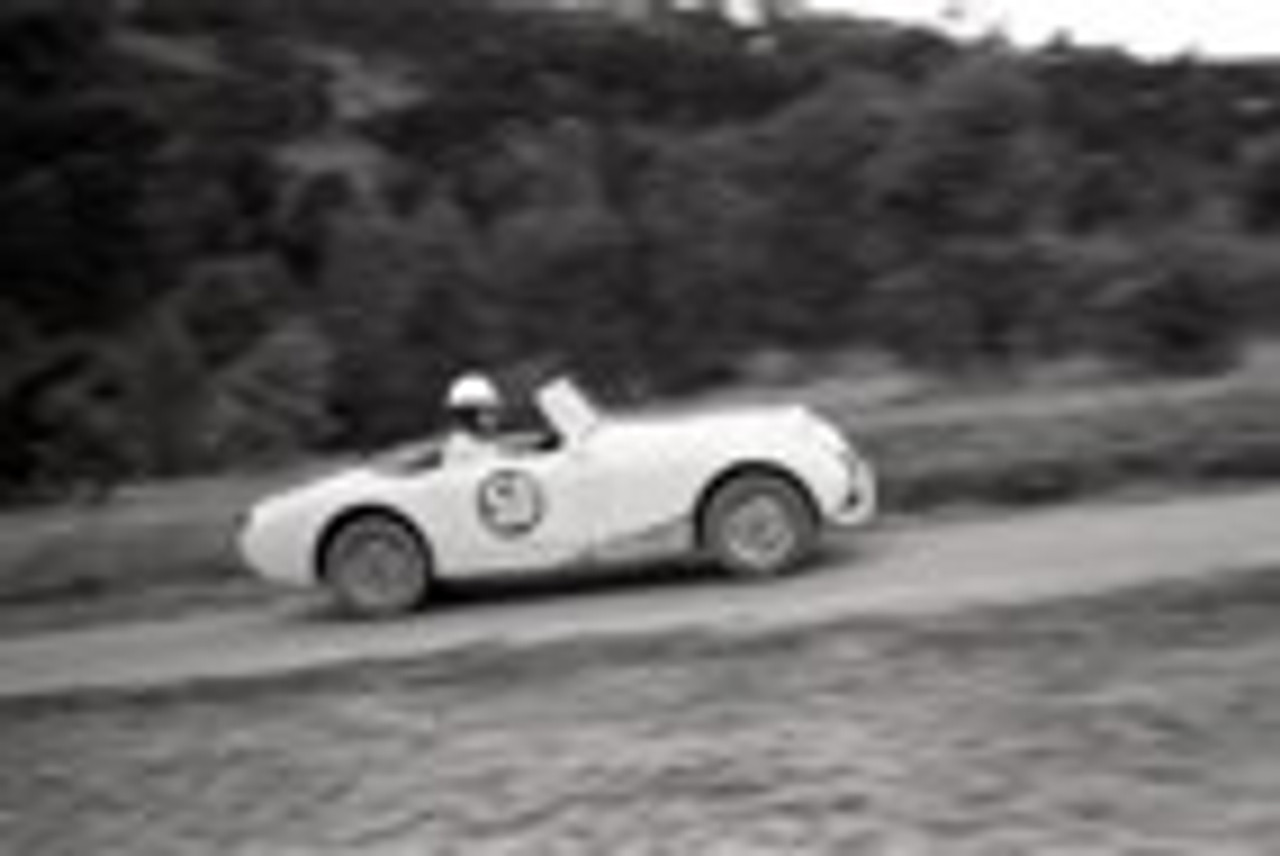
(750, 490)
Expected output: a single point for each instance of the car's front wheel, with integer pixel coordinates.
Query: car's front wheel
(375, 565)
(759, 525)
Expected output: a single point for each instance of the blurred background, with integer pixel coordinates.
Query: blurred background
(234, 232)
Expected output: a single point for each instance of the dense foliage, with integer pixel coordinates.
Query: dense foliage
(230, 230)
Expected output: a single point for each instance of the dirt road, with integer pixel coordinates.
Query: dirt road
(901, 570)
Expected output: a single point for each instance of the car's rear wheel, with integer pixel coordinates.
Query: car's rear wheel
(375, 565)
(759, 525)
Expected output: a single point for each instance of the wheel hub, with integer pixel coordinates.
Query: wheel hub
(376, 570)
(759, 532)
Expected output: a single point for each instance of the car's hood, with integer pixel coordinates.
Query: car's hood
(340, 480)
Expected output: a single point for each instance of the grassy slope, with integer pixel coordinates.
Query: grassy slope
(1141, 723)
(164, 548)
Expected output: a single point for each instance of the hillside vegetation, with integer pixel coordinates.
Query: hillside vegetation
(233, 231)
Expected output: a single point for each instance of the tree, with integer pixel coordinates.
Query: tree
(273, 402)
(968, 161)
(366, 290)
(56, 192)
(227, 303)
(981, 306)
(1177, 311)
(814, 169)
(164, 384)
(402, 301)
(1258, 188)
(710, 289)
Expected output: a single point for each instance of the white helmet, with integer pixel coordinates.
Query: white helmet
(473, 391)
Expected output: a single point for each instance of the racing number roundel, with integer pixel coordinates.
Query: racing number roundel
(511, 503)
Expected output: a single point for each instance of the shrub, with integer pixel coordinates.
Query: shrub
(1179, 320)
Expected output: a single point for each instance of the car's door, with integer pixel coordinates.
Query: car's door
(512, 511)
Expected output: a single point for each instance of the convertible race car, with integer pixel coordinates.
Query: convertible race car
(750, 490)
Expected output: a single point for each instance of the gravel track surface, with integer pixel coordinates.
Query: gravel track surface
(901, 570)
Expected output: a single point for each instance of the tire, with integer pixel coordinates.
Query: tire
(759, 525)
(376, 566)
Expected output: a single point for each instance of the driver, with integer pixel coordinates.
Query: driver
(474, 410)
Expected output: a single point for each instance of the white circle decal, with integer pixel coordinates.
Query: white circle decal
(510, 503)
